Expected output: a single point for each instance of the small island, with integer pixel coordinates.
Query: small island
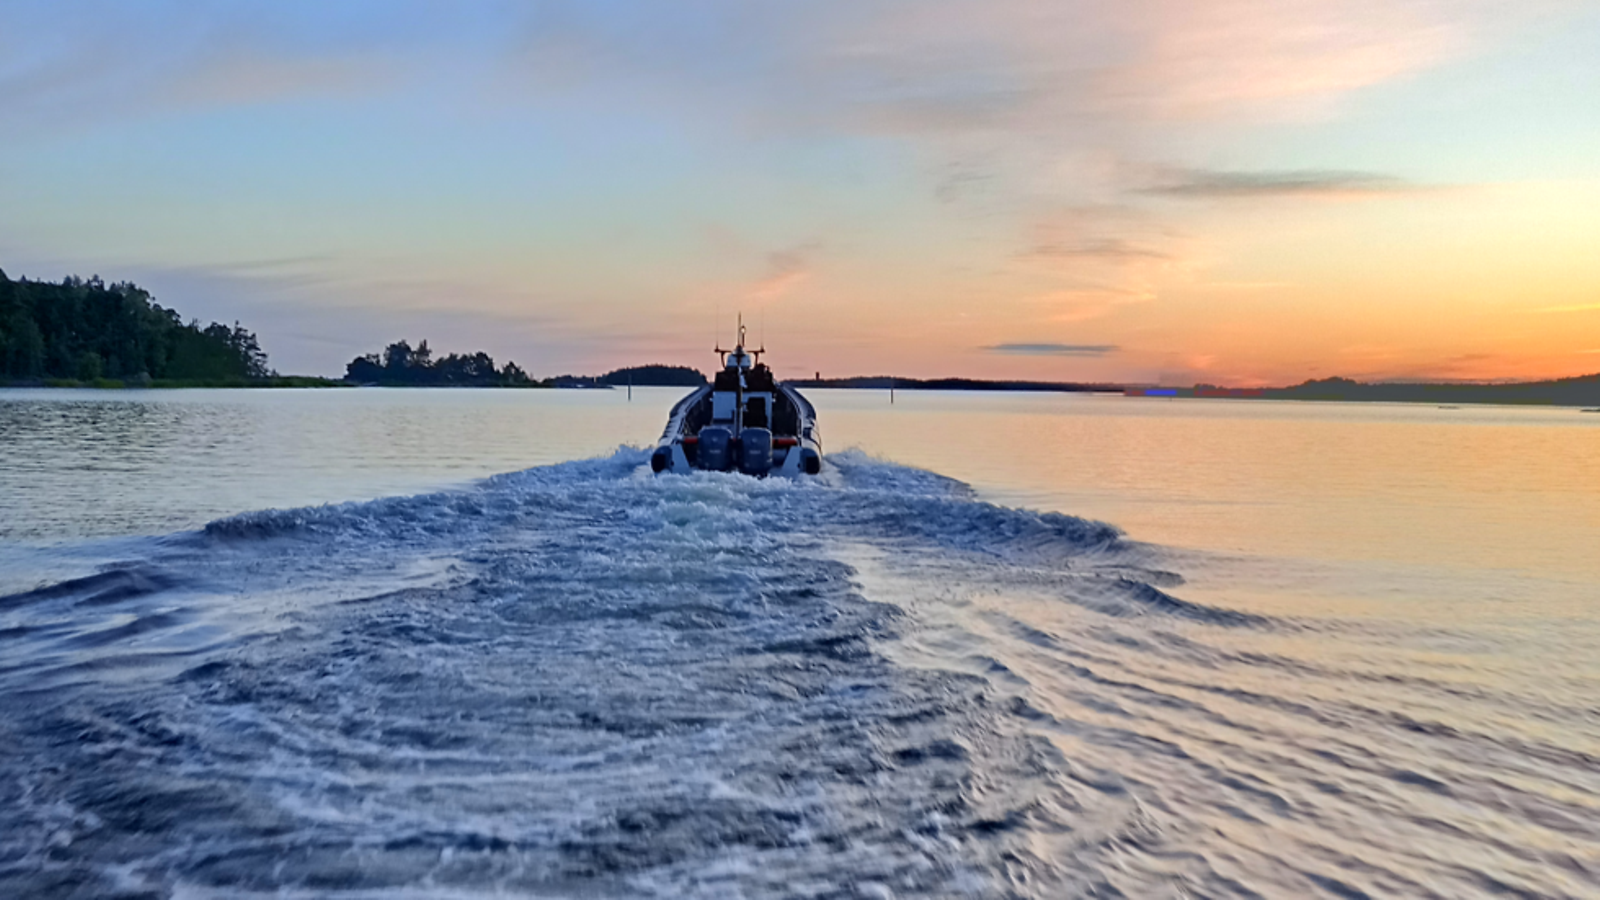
(636, 376)
(401, 365)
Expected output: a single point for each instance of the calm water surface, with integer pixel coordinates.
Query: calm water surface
(1338, 650)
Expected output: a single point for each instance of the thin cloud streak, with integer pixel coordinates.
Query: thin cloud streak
(1053, 349)
(1206, 184)
(1579, 307)
(80, 74)
(1110, 249)
(786, 269)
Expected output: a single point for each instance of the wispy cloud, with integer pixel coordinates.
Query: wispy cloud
(1226, 58)
(1053, 349)
(281, 272)
(1210, 184)
(1088, 301)
(1017, 73)
(785, 270)
(75, 71)
(1576, 307)
(1102, 257)
(251, 75)
(1111, 249)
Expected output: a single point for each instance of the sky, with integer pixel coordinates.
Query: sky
(1172, 191)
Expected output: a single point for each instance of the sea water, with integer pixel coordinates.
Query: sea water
(460, 643)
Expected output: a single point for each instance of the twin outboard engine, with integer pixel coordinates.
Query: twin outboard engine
(715, 449)
(755, 451)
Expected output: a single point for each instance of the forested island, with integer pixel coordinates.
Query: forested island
(84, 331)
(636, 376)
(401, 365)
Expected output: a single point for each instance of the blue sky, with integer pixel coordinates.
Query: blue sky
(1215, 190)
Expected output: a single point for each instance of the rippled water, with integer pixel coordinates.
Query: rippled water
(578, 679)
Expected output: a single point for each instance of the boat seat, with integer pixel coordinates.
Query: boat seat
(755, 413)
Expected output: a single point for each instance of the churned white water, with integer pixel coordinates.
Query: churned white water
(579, 680)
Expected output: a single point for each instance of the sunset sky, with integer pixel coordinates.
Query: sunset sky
(1144, 190)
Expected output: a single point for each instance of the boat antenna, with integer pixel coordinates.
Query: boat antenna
(722, 354)
(738, 402)
(763, 348)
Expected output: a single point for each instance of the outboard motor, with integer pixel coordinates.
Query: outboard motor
(713, 449)
(756, 447)
(810, 461)
(661, 459)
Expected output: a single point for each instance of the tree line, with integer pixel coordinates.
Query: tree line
(654, 375)
(1583, 390)
(400, 364)
(86, 330)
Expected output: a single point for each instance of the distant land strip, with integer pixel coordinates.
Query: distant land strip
(885, 382)
(1583, 390)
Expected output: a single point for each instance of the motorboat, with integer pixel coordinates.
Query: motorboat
(743, 421)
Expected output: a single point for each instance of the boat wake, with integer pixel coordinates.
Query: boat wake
(583, 680)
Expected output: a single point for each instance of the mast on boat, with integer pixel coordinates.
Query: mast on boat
(740, 361)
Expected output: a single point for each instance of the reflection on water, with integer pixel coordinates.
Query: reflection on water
(1476, 486)
(83, 463)
(1486, 487)
(1350, 652)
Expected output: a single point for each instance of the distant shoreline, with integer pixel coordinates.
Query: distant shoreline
(886, 382)
(1582, 392)
(167, 384)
